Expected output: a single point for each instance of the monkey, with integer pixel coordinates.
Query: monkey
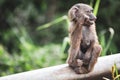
(84, 45)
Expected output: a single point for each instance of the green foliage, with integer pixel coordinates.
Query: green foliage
(115, 73)
(30, 58)
(96, 7)
(106, 42)
(66, 41)
(58, 20)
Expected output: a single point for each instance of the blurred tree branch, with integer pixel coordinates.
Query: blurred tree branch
(102, 69)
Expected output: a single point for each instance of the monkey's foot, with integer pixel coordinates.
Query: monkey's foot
(79, 62)
(81, 70)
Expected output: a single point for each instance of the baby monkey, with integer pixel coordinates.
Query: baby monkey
(84, 46)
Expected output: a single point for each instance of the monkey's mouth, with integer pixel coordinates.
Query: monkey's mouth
(92, 20)
(89, 22)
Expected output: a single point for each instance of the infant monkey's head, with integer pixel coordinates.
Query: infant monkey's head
(84, 11)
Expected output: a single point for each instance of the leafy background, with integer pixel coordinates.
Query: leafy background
(33, 33)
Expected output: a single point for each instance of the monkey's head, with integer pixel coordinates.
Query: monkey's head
(82, 11)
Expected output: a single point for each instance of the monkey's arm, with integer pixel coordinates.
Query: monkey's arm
(94, 56)
(75, 40)
(75, 32)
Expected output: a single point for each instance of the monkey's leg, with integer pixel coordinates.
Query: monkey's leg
(85, 68)
(71, 60)
(95, 54)
(77, 62)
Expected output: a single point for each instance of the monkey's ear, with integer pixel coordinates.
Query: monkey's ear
(72, 14)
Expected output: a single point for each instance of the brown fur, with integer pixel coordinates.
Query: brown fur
(84, 46)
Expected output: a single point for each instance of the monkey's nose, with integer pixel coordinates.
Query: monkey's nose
(93, 18)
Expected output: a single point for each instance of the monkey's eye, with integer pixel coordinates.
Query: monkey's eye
(89, 11)
(92, 10)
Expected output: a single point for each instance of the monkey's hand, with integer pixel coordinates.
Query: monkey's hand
(75, 15)
(84, 19)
